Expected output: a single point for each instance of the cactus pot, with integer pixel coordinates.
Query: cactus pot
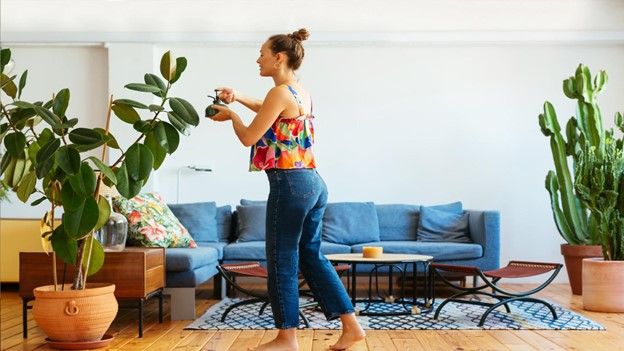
(603, 285)
(75, 315)
(573, 256)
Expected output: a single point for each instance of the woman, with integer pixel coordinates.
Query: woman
(281, 136)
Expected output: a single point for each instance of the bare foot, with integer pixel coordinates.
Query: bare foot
(348, 338)
(277, 344)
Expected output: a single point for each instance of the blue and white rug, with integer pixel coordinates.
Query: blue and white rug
(524, 315)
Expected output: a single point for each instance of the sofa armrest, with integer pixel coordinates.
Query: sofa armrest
(485, 231)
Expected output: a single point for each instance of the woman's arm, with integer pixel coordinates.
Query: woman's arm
(229, 95)
(274, 104)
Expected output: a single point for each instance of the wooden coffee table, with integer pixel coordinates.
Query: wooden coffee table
(392, 261)
(137, 272)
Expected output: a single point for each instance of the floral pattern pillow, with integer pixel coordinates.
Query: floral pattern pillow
(151, 223)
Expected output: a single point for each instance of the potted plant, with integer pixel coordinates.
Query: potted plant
(576, 225)
(46, 160)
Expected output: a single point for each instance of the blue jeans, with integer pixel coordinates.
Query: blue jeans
(295, 208)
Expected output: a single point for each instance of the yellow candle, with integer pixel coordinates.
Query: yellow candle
(372, 251)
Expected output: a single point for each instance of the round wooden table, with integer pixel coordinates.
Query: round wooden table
(393, 261)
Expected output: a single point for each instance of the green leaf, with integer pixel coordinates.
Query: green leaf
(38, 201)
(81, 221)
(178, 123)
(142, 126)
(97, 255)
(5, 57)
(154, 80)
(135, 187)
(84, 182)
(61, 101)
(68, 159)
(72, 199)
(139, 162)
(65, 247)
(8, 86)
(157, 150)
(123, 186)
(23, 104)
(126, 113)
(167, 66)
(108, 137)
(48, 116)
(142, 87)
(26, 186)
(180, 67)
(184, 110)
(43, 167)
(106, 171)
(156, 108)
(104, 212)
(15, 143)
(22, 83)
(4, 164)
(85, 136)
(172, 138)
(130, 103)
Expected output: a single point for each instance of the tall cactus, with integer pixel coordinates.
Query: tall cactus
(589, 207)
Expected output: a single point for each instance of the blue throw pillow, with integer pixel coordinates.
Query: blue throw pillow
(251, 223)
(350, 223)
(453, 207)
(198, 218)
(245, 202)
(397, 222)
(440, 225)
(224, 223)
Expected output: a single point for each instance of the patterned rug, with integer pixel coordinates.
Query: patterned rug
(524, 315)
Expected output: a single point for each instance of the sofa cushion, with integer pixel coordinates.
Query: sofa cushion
(397, 221)
(251, 223)
(454, 207)
(439, 250)
(350, 223)
(181, 260)
(199, 218)
(245, 202)
(255, 250)
(224, 223)
(218, 246)
(151, 223)
(439, 225)
(191, 279)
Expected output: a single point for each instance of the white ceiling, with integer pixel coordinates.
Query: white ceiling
(163, 20)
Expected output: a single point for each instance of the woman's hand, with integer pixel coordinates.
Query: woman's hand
(227, 95)
(225, 114)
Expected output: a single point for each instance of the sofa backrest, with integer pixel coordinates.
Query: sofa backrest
(397, 222)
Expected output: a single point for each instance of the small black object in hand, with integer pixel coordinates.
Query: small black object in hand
(215, 101)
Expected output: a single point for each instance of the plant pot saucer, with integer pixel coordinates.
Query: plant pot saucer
(80, 345)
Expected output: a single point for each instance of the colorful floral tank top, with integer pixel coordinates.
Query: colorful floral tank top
(286, 145)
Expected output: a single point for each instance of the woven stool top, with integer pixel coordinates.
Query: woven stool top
(521, 269)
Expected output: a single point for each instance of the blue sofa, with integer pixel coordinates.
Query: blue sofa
(238, 236)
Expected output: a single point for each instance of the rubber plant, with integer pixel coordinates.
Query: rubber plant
(44, 157)
(589, 208)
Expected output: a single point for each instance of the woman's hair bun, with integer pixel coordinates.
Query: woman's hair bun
(300, 35)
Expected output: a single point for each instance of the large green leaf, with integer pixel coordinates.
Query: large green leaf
(167, 66)
(184, 110)
(123, 186)
(130, 103)
(139, 162)
(104, 212)
(110, 138)
(107, 171)
(27, 186)
(65, 247)
(68, 159)
(134, 187)
(43, 168)
(8, 86)
(84, 182)
(48, 116)
(180, 67)
(167, 136)
(97, 255)
(61, 101)
(126, 113)
(22, 83)
(48, 149)
(154, 80)
(178, 123)
(15, 143)
(5, 57)
(72, 200)
(142, 126)
(157, 150)
(85, 136)
(142, 87)
(82, 220)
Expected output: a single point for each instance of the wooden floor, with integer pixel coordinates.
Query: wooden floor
(171, 336)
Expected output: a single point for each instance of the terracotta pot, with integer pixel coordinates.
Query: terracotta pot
(603, 285)
(75, 315)
(573, 256)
